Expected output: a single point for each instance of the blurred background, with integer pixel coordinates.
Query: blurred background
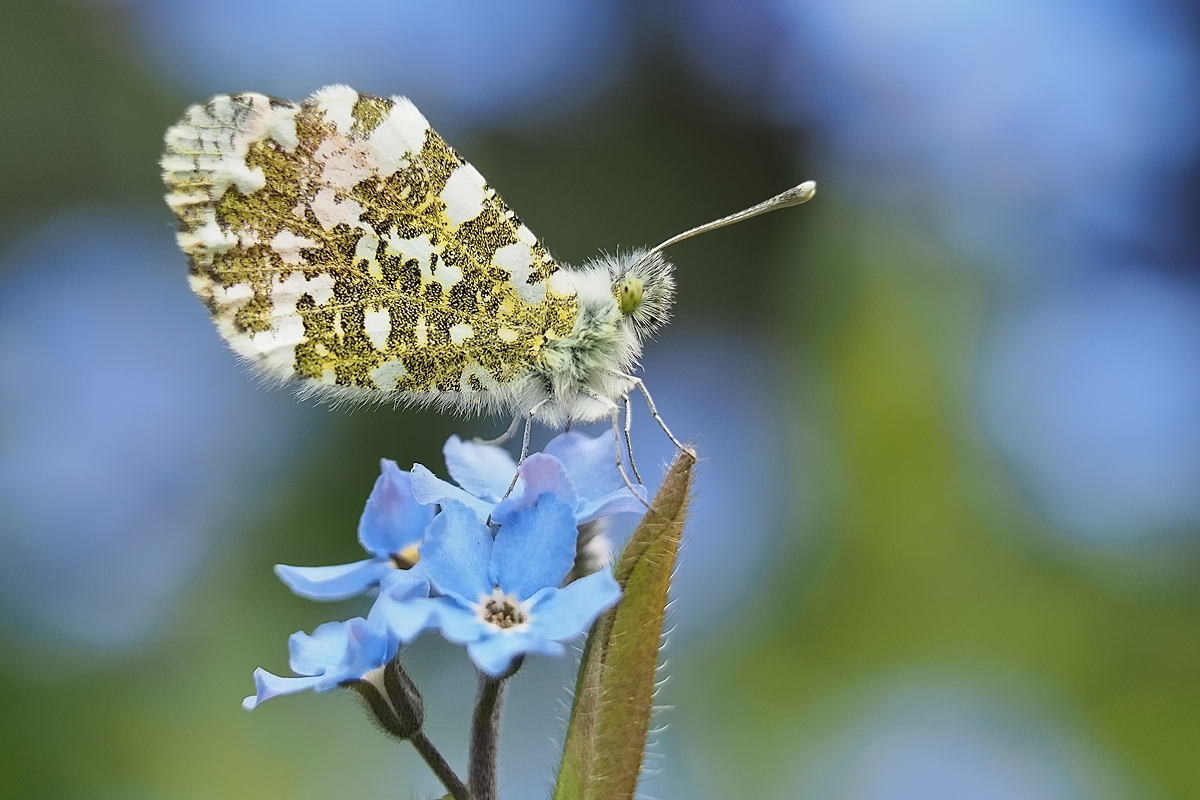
(947, 537)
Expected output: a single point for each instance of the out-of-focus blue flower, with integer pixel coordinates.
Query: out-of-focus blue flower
(130, 439)
(390, 529)
(501, 596)
(1094, 397)
(579, 470)
(335, 653)
(1038, 130)
(941, 741)
(461, 61)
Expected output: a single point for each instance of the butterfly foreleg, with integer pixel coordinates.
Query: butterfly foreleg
(654, 412)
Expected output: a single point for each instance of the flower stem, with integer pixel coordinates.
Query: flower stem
(485, 733)
(439, 765)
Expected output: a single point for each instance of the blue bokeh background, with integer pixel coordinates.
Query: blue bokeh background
(945, 541)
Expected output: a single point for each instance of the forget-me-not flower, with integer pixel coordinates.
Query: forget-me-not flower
(390, 528)
(502, 595)
(495, 565)
(580, 470)
(335, 653)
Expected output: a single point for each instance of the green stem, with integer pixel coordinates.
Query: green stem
(485, 733)
(439, 765)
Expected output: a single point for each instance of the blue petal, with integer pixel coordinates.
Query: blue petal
(333, 583)
(335, 652)
(565, 613)
(403, 605)
(406, 619)
(340, 651)
(483, 470)
(618, 502)
(369, 645)
(316, 654)
(459, 624)
(494, 654)
(535, 547)
(456, 553)
(392, 519)
(267, 686)
(541, 474)
(402, 584)
(591, 463)
(429, 488)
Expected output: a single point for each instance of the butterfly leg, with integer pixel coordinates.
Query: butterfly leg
(614, 413)
(524, 445)
(628, 441)
(654, 412)
(617, 443)
(504, 437)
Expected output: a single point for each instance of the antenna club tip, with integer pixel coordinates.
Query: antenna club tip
(804, 192)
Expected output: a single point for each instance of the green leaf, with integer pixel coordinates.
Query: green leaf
(614, 695)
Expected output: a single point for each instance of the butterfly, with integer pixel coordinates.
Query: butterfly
(341, 244)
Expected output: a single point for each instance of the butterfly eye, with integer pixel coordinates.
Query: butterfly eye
(628, 291)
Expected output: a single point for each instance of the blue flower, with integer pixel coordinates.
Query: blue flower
(335, 653)
(390, 528)
(579, 470)
(501, 596)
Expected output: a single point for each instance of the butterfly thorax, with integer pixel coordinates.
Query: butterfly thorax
(583, 372)
(587, 371)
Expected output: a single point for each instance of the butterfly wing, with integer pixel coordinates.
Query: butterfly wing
(342, 242)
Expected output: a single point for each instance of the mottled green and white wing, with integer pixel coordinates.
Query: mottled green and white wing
(342, 242)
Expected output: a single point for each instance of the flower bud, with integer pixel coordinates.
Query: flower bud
(392, 698)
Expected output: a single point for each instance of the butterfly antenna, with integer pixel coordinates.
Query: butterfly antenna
(792, 197)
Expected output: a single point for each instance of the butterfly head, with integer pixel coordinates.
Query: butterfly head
(644, 287)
